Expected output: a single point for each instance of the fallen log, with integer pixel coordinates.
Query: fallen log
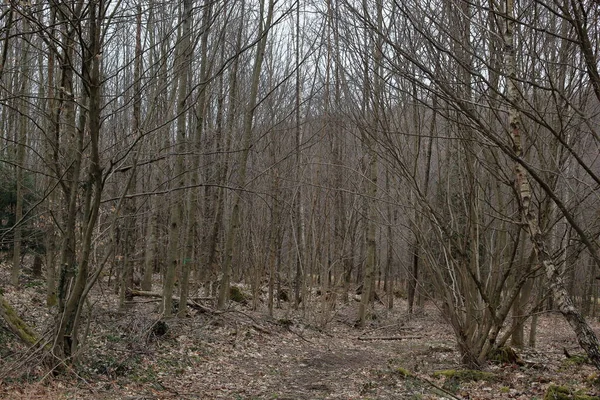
(190, 303)
(16, 324)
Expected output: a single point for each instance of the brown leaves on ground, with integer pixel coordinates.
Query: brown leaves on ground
(244, 354)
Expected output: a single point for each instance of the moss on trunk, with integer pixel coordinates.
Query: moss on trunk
(16, 324)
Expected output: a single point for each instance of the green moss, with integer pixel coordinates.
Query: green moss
(555, 392)
(577, 359)
(593, 379)
(465, 375)
(51, 300)
(235, 294)
(504, 355)
(34, 284)
(16, 324)
(113, 338)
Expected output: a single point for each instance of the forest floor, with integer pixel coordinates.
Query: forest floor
(245, 354)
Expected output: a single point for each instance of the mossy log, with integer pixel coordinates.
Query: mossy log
(16, 324)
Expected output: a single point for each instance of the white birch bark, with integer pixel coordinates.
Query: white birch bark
(585, 335)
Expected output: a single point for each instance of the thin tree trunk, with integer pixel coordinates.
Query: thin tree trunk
(20, 160)
(153, 209)
(51, 150)
(66, 339)
(370, 239)
(183, 63)
(585, 335)
(274, 243)
(130, 207)
(300, 243)
(521, 301)
(234, 224)
(189, 261)
(20, 144)
(66, 107)
(389, 269)
(372, 170)
(413, 278)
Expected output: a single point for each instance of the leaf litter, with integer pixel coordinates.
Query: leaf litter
(245, 354)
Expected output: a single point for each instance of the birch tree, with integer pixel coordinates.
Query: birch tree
(585, 335)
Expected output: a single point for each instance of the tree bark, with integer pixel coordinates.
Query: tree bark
(66, 339)
(234, 223)
(190, 253)
(183, 63)
(300, 228)
(585, 335)
(372, 167)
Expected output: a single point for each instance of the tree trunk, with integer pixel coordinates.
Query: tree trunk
(21, 144)
(67, 332)
(234, 224)
(130, 237)
(274, 243)
(66, 107)
(370, 239)
(300, 229)
(183, 62)
(389, 268)
(51, 240)
(372, 168)
(585, 335)
(159, 61)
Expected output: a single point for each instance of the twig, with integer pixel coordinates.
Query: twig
(299, 335)
(389, 337)
(143, 301)
(441, 389)
(203, 298)
(261, 329)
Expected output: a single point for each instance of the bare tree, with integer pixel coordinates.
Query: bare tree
(264, 25)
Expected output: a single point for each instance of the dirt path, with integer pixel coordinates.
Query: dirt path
(246, 355)
(299, 362)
